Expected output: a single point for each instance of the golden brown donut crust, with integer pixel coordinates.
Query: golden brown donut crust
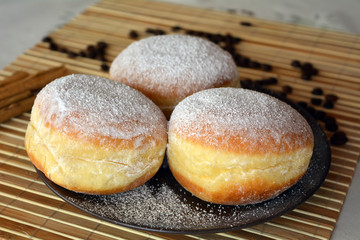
(101, 156)
(236, 146)
(169, 68)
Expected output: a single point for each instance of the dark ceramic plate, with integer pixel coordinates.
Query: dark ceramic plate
(162, 205)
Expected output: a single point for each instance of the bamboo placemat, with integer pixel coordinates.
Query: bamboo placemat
(28, 209)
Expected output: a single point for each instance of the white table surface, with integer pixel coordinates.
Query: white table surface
(23, 23)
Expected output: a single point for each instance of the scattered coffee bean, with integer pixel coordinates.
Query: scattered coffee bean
(176, 28)
(104, 67)
(311, 110)
(91, 51)
(314, 72)
(331, 126)
(53, 46)
(316, 101)
(306, 76)
(302, 104)
(287, 89)
(72, 54)
(190, 32)
(331, 98)
(266, 67)
(247, 83)
(328, 105)
(319, 115)
(243, 62)
(150, 30)
(330, 123)
(268, 81)
(246, 24)
(133, 34)
(47, 39)
(82, 53)
(101, 45)
(307, 67)
(272, 81)
(101, 58)
(296, 63)
(63, 50)
(327, 119)
(338, 138)
(254, 64)
(230, 49)
(200, 34)
(282, 94)
(317, 91)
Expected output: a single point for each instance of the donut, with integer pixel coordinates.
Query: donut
(235, 146)
(92, 135)
(168, 68)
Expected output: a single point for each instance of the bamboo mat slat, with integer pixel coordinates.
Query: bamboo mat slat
(28, 209)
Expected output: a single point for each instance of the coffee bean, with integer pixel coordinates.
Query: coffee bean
(329, 119)
(328, 105)
(150, 30)
(296, 64)
(133, 34)
(306, 76)
(331, 126)
(246, 24)
(101, 57)
(72, 54)
(266, 67)
(319, 115)
(254, 64)
(101, 45)
(331, 98)
(316, 101)
(200, 34)
(311, 110)
(330, 123)
(47, 39)
(91, 51)
(247, 83)
(190, 32)
(314, 72)
(53, 46)
(287, 89)
(317, 91)
(82, 53)
(302, 104)
(307, 67)
(104, 67)
(160, 32)
(244, 62)
(63, 50)
(338, 138)
(176, 28)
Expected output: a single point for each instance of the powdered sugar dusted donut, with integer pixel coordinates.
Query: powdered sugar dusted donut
(168, 68)
(93, 135)
(237, 146)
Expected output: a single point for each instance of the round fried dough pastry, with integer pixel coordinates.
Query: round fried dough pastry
(168, 68)
(236, 146)
(93, 135)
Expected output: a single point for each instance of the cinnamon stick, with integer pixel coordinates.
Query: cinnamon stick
(15, 98)
(18, 75)
(32, 82)
(18, 95)
(16, 108)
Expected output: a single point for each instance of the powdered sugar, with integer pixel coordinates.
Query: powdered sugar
(95, 107)
(253, 119)
(177, 63)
